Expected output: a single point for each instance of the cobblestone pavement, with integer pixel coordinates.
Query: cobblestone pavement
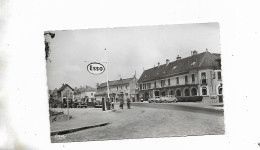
(137, 122)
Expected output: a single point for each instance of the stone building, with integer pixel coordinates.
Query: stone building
(58, 97)
(124, 88)
(84, 93)
(65, 92)
(196, 75)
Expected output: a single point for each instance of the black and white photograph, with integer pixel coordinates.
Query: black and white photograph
(134, 82)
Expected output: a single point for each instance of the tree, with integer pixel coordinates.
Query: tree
(47, 47)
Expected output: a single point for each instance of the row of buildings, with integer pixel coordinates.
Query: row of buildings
(65, 92)
(196, 75)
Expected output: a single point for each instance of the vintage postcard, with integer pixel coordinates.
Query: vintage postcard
(134, 82)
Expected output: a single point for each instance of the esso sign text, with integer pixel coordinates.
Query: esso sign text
(95, 68)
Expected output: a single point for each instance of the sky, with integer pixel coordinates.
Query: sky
(129, 50)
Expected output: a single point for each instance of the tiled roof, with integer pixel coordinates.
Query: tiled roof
(64, 86)
(201, 60)
(116, 82)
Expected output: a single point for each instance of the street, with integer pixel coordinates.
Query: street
(141, 121)
(191, 107)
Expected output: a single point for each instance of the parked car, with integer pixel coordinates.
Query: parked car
(171, 99)
(154, 100)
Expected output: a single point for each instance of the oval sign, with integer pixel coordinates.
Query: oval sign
(95, 68)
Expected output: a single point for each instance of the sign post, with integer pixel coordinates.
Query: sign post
(68, 107)
(96, 69)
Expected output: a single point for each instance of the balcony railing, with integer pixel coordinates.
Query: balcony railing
(204, 81)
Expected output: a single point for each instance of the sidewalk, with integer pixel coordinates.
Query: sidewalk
(81, 117)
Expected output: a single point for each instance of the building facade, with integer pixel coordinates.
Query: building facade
(84, 93)
(58, 97)
(122, 88)
(196, 75)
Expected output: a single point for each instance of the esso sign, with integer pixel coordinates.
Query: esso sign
(95, 68)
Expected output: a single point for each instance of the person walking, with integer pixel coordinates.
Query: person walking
(112, 103)
(122, 103)
(108, 103)
(128, 101)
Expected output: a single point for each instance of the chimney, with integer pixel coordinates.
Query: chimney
(167, 62)
(158, 64)
(178, 57)
(194, 52)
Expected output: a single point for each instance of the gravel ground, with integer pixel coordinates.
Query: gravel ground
(137, 122)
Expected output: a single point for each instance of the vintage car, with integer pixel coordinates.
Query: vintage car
(168, 99)
(154, 100)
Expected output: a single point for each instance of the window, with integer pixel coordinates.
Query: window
(162, 83)
(148, 85)
(204, 91)
(126, 87)
(126, 94)
(219, 75)
(193, 77)
(117, 88)
(91, 94)
(203, 75)
(186, 78)
(187, 92)
(194, 92)
(156, 93)
(178, 92)
(203, 78)
(177, 80)
(220, 90)
(154, 83)
(121, 88)
(171, 92)
(163, 93)
(144, 86)
(140, 87)
(169, 81)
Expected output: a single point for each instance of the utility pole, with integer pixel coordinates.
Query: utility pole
(68, 106)
(107, 78)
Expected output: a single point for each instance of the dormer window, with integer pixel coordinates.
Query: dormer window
(193, 63)
(174, 67)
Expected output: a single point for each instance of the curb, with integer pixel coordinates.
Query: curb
(61, 132)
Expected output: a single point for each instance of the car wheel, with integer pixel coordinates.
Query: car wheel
(165, 101)
(151, 101)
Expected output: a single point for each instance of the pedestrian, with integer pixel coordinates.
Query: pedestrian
(108, 104)
(112, 103)
(122, 103)
(128, 103)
